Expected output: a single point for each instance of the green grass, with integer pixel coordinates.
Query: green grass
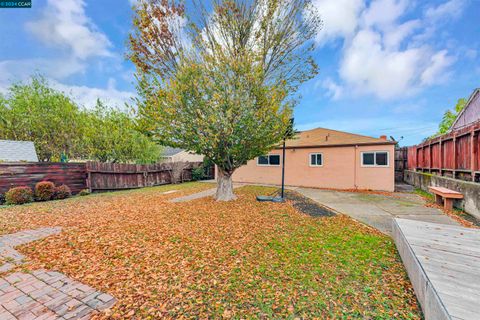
(425, 194)
(330, 269)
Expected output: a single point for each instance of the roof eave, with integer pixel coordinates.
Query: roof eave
(380, 143)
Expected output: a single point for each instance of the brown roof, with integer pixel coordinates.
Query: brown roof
(320, 137)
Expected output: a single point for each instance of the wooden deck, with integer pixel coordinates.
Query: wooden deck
(443, 263)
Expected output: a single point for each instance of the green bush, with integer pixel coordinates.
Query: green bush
(198, 173)
(2, 198)
(62, 192)
(44, 191)
(19, 195)
(84, 192)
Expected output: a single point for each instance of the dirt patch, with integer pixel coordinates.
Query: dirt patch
(306, 205)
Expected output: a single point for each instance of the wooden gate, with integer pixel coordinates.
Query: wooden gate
(401, 159)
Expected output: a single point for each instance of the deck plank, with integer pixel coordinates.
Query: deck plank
(443, 263)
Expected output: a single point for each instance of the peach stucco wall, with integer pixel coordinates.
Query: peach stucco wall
(341, 169)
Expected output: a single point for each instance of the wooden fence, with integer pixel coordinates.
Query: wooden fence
(401, 158)
(95, 176)
(12, 175)
(455, 154)
(113, 176)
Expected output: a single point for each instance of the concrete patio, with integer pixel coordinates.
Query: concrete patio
(377, 210)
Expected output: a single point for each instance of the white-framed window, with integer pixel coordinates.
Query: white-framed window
(375, 159)
(316, 159)
(269, 160)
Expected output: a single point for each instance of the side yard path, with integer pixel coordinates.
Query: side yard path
(377, 210)
(201, 194)
(42, 294)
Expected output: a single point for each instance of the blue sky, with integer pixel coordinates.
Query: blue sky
(386, 66)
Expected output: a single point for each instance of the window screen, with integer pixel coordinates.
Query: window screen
(368, 159)
(263, 160)
(274, 160)
(270, 160)
(316, 159)
(377, 158)
(381, 159)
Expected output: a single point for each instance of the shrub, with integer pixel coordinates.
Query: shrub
(198, 173)
(19, 195)
(2, 198)
(44, 191)
(84, 192)
(62, 192)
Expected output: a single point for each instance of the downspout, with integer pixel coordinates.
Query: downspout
(355, 167)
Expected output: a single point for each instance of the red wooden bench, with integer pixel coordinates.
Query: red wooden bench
(447, 195)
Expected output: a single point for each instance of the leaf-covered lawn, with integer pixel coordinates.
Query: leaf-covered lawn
(203, 259)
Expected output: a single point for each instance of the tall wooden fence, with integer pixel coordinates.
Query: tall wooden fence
(113, 176)
(95, 176)
(12, 175)
(455, 154)
(401, 159)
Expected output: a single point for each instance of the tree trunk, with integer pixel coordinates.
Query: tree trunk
(224, 186)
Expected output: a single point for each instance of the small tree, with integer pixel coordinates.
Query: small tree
(35, 111)
(221, 83)
(111, 136)
(450, 116)
(61, 129)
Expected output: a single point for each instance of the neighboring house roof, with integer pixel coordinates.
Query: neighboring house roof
(12, 151)
(470, 113)
(327, 137)
(170, 152)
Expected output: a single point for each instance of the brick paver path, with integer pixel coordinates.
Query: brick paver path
(48, 295)
(43, 294)
(12, 257)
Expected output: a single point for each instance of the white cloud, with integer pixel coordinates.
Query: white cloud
(87, 96)
(383, 12)
(340, 18)
(434, 73)
(83, 95)
(334, 90)
(449, 9)
(19, 70)
(65, 24)
(382, 54)
(396, 34)
(368, 67)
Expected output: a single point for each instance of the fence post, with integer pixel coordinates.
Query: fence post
(430, 157)
(472, 153)
(440, 155)
(454, 155)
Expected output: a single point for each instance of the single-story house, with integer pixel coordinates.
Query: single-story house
(325, 158)
(16, 151)
(170, 154)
